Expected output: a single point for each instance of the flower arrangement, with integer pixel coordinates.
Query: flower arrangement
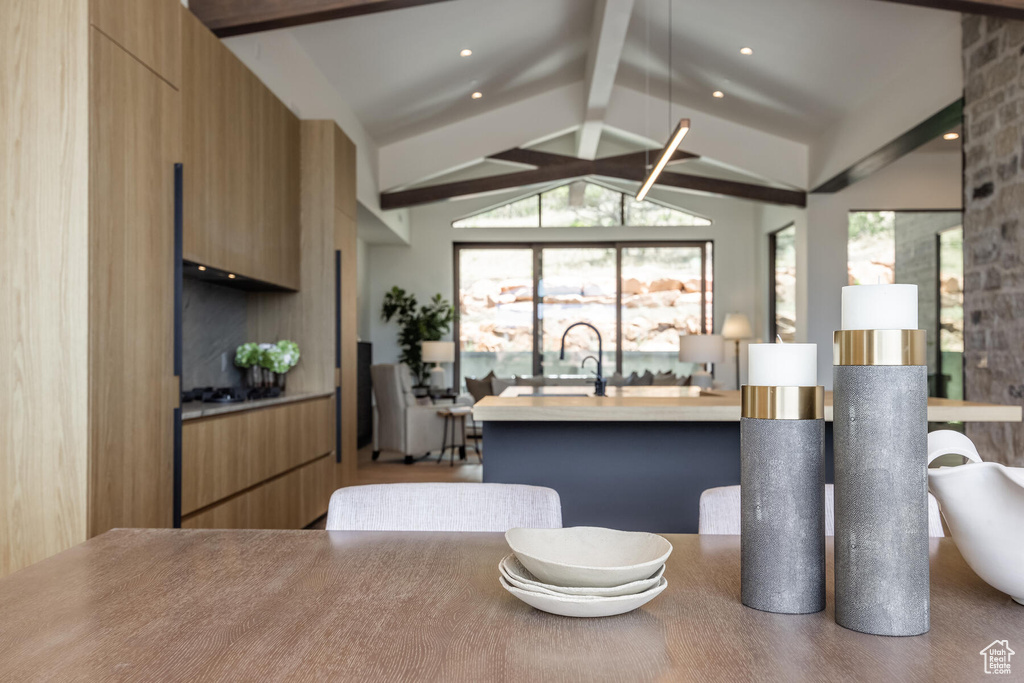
(277, 359)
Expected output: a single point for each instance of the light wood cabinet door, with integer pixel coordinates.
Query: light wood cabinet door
(290, 501)
(345, 174)
(226, 454)
(134, 130)
(148, 29)
(241, 154)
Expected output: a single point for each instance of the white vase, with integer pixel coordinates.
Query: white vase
(983, 505)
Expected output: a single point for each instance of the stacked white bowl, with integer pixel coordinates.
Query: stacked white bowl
(584, 571)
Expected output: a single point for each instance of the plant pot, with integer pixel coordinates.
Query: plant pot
(280, 381)
(254, 377)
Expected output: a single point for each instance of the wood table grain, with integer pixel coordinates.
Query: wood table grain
(314, 605)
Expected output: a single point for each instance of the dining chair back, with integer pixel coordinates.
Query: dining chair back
(720, 512)
(443, 507)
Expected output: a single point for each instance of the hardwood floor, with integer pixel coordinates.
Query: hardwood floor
(390, 468)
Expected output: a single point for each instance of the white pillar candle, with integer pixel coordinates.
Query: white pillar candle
(782, 365)
(880, 307)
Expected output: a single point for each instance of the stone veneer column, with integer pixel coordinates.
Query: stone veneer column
(993, 54)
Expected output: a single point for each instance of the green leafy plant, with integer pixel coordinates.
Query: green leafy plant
(280, 357)
(247, 355)
(417, 324)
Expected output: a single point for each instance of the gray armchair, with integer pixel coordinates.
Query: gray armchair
(403, 424)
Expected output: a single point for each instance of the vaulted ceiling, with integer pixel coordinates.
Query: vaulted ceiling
(599, 70)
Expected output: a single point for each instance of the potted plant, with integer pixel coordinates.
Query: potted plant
(267, 364)
(417, 324)
(247, 357)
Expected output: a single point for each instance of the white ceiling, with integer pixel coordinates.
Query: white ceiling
(813, 60)
(402, 74)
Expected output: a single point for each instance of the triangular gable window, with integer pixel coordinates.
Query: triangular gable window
(580, 204)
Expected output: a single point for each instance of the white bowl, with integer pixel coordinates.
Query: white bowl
(517, 575)
(586, 556)
(585, 606)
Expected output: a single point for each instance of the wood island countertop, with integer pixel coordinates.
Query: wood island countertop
(676, 404)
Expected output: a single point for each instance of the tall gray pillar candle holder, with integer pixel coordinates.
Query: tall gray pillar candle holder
(880, 444)
(782, 499)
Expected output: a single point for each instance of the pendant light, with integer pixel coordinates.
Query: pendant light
(681, 129)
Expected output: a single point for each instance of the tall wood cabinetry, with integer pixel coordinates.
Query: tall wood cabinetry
(241, 155)
(89, 138)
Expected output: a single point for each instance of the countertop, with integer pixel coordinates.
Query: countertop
(169, 604)
(678, 404)
(196, 409)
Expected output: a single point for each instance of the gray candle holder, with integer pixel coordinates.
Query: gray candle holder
(782, 499)
(880, 444)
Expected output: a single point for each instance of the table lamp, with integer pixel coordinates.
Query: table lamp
(737, 327)
(438, 352)
(701, 348)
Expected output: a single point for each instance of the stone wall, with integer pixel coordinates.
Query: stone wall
(917, 263)
(993, 237)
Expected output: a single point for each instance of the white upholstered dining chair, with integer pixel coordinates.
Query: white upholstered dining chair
(443, 507)
(720, 512)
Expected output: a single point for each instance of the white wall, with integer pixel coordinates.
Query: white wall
(921, 180)
(425, 267)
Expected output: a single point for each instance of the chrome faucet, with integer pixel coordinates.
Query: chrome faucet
(599, 382)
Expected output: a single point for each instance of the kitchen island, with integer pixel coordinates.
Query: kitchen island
(639, 458)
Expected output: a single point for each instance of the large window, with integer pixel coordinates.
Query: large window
(516, 301)
(579, 204)
(924, 248)
(782, 270)
(495, 321)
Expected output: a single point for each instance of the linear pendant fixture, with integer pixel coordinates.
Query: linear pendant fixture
(670, 148)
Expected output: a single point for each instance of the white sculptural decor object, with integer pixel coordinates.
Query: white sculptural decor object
(983, 504)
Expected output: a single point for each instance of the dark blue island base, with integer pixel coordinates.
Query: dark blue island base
(637, 476)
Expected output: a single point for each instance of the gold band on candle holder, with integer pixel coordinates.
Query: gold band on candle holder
(880, 347)
(783, 403)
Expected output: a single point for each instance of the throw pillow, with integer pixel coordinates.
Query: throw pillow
(664, 379)
(478, 388)
(498, 386)
(646, 379)
(632, 380)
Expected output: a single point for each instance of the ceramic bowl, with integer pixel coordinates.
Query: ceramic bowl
(584, 606)
(517, 575)
(588, 557)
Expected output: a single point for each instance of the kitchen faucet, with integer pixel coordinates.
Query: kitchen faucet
(599, 382)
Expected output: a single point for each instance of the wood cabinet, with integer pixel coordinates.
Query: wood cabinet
(226, 454)
(88, 145)
(241, 155)
(134, 137)
(291, 501)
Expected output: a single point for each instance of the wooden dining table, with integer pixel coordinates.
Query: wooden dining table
(173, 605)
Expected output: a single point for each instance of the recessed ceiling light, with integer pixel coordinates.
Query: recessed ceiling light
(231, 276)
(718, 93)
(477, 95)
(951, 136)
(465, 52)
(746, 50)
(202, 267)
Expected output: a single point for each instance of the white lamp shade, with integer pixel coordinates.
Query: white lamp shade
(737, 326)
(438, 352)
(701, 348)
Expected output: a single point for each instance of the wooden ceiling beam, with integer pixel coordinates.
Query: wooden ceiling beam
(715, 186)
(564, 168)
(1006, 9)
(236, 17)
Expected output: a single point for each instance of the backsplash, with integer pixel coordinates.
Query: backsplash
(214, 322)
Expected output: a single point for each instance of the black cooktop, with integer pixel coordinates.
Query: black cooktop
(229, 394)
